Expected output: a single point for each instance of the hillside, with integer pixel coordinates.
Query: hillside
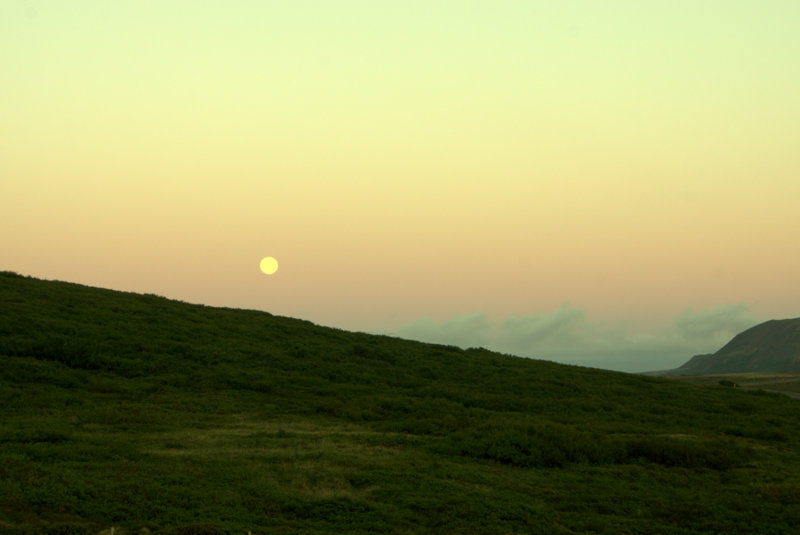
(770, 347)
(156, 416)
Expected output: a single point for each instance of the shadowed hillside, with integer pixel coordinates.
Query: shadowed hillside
(138, 412)
(772, 346)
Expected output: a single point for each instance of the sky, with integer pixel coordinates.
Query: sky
(611, 184)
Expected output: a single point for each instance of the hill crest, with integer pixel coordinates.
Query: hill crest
(772, 346)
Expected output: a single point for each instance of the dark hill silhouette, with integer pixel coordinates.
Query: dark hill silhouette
(772, 346)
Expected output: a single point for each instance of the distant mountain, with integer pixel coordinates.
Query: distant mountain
(772, 346)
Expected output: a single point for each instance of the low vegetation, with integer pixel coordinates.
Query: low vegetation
(785, 382)
(155, 416)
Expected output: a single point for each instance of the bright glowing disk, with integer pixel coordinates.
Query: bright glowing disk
(269, 265)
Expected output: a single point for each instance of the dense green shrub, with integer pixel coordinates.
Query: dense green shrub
(689, 453)
(198, 529)
(759, 433)
(534, 445)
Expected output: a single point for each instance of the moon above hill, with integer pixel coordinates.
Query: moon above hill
(268, 265)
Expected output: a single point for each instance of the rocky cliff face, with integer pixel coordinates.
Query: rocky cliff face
(772, 346)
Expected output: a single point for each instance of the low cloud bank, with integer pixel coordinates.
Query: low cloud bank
(568, 336)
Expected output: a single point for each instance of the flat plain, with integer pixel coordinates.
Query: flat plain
(784, 382)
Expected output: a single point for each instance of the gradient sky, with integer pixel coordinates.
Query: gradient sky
(613, 184)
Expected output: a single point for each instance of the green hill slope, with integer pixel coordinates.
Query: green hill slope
(138, 412)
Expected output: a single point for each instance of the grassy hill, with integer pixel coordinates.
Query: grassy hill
(769, 347)
(156, 416)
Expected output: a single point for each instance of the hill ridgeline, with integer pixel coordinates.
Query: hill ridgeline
(772, 346)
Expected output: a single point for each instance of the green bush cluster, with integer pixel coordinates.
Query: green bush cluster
(689, 453)
(556, 446)
(544, 444)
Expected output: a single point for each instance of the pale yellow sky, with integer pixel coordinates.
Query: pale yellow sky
(411, 159)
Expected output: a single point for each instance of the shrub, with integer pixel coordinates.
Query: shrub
(760, 434)
(688, 453)
(199, 529)
(547, 445)
(68, 529)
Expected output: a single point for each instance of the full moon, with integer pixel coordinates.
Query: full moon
(268, 265)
